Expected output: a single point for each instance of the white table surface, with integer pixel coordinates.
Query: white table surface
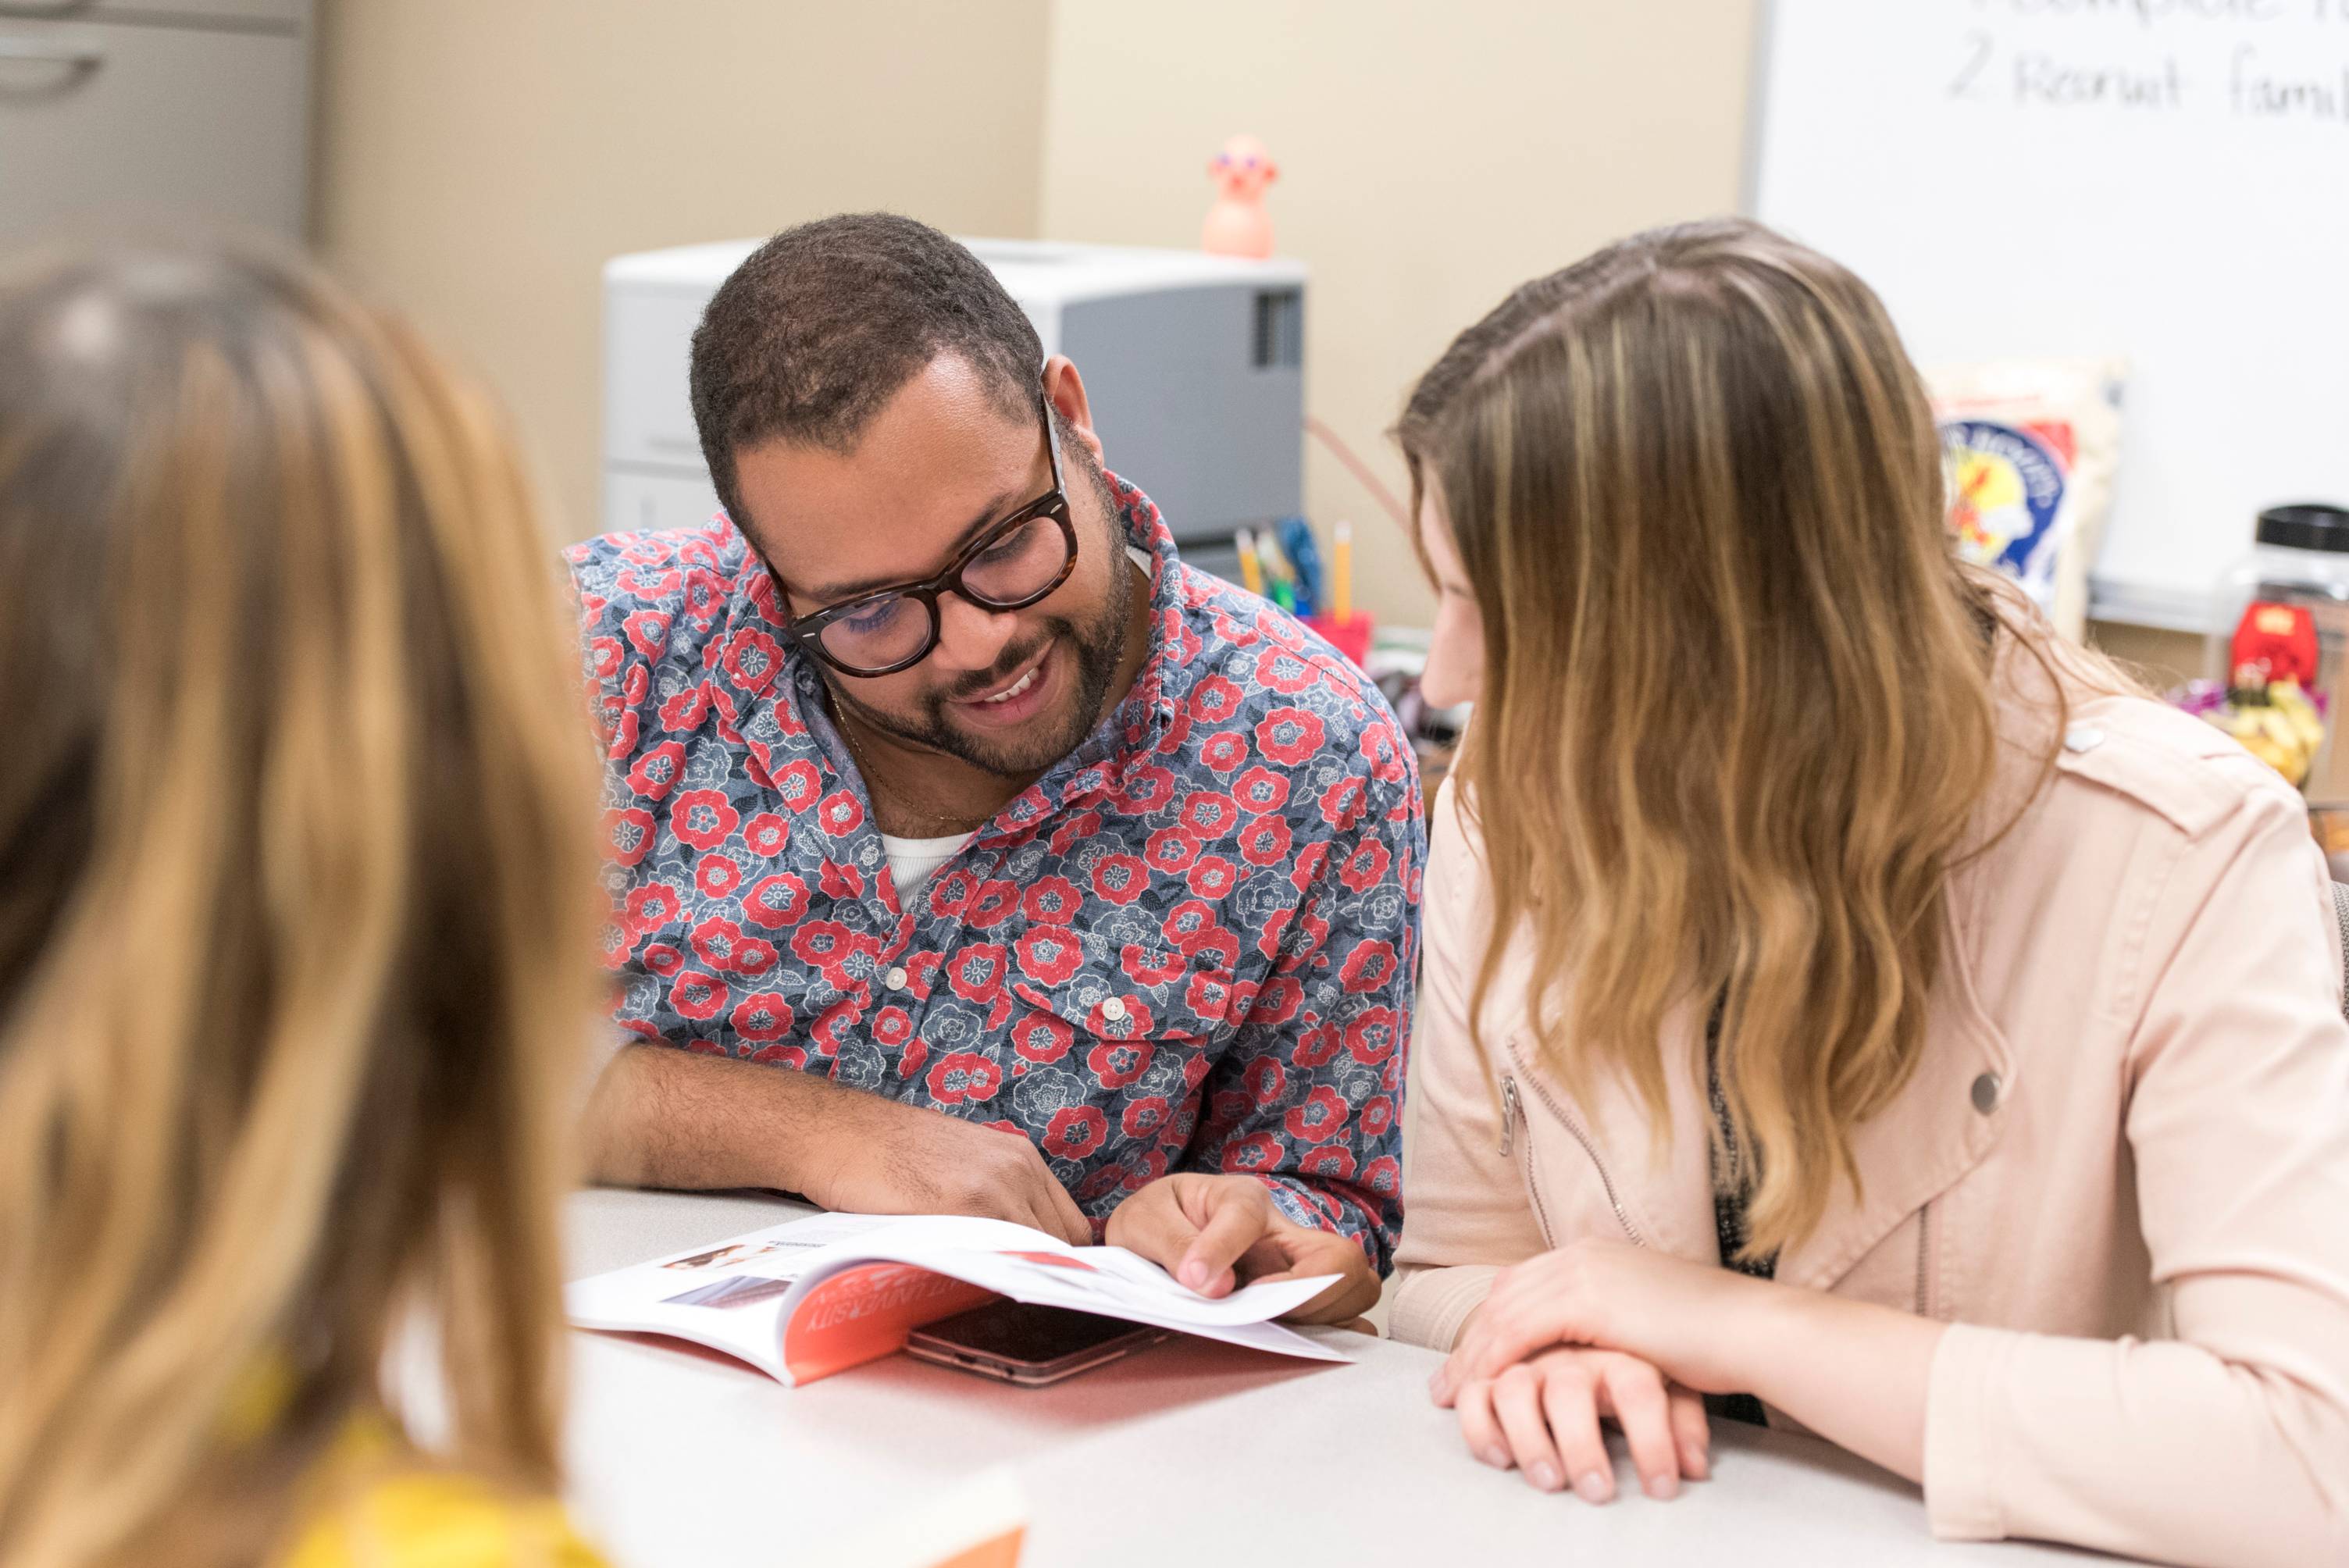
(1187, 1453)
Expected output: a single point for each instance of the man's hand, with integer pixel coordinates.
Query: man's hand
(1214, 1233)
(878, 1157)
(663, 1118)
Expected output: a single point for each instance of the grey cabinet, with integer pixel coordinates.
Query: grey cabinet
(116, 110)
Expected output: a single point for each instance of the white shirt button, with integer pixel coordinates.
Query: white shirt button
(897, 978)
(2082, 737)
(1114, 1009)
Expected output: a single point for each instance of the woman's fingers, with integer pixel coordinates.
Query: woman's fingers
(1691, 1431)
(1517, 1401)
(1570, 1404)
(1478, 1428)
(1636, 1392)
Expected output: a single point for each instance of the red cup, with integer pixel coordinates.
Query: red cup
(1351, 636)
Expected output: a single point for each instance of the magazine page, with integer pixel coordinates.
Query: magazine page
(858, 1299)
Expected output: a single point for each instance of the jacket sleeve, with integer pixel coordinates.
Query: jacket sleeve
(1471, 1215)
(1308, 1098)
(2228, 1441)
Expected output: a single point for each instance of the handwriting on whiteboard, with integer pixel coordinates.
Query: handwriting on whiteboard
(2117, 64)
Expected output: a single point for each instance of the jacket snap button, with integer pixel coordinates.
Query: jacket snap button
(1986, 1093)
(1115, 1010)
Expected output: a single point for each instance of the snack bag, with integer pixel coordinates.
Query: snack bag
(2029, 447)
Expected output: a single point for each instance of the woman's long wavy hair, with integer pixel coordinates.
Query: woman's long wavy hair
(1737, 715)
(298, 909)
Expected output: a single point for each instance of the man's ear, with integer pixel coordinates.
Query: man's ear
(1065, 390)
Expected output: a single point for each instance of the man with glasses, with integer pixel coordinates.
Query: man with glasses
(946, 803)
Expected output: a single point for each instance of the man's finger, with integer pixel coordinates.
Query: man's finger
(1068, 1222)
(1238, 1212)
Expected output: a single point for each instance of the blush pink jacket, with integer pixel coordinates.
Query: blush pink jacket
(2121, 1169)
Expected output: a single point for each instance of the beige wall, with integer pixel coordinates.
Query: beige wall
(478, 160)
(1431, 158)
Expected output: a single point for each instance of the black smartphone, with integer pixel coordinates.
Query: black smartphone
(1029, 1345)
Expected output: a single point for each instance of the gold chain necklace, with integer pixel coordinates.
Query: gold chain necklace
(944, 824)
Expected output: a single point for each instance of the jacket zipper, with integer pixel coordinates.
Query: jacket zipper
(1509, 1096)
(1513, 1111)
(1924, 1256)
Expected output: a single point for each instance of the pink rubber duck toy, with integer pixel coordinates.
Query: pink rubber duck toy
(1237, 224)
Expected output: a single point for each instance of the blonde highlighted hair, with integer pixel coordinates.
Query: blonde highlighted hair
(297, 905)
(1737, 719)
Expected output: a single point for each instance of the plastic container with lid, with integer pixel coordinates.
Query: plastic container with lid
(2301, 558)
(2298, 567)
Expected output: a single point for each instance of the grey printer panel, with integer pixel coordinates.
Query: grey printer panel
(1198, 395)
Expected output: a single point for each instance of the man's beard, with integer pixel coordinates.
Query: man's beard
(1095, 649)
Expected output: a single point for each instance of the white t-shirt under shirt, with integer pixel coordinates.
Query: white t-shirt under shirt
(913, 861)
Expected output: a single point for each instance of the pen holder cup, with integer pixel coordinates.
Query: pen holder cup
(1351, 636)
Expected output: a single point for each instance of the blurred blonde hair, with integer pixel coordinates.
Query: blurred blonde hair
(1737, 717)
(297, 901)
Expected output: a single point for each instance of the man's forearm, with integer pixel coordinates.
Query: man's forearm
(667, 1118)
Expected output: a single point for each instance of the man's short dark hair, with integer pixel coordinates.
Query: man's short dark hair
(825, 322)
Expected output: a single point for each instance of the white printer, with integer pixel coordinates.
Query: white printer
(1193, 363)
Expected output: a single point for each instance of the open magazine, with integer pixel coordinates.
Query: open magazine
(803, 1300)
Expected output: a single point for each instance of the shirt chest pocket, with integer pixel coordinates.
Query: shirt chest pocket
(1119, 1013)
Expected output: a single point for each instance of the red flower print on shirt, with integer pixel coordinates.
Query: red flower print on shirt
(714, 941)
(604, 658)
(703, 819)
(1366, 867)
(1264, 842)
(1371, 1034)
(717, 875)
(1145, 1116)
(1054, 900)
(1121, 879)
(1209, 997)
(1214, 878)
(1320, 1119)
(838, 880)
(1259, 1151)
(1041, 1037)
(628, 835)
(683, 713)
(1171, 852)
(1378, 1115)
(840, 814)
(1049, 954)
(1369, 966)
(893, 1026)
(776, 901)
(1284, 671)
(1075, 1131)
(697, 995)
(1215, 700)
(1291, 736)
(752, 658)
(762, 1016)
(767, 835)
(1224, 751)
(1260, 789)
(797, 784)
(650, 907)
(1319, 1046)
(1149, 966)
(964, 1077)
(1267, 1080)
(1342, 803)
(1118, 1063)
(1333, 1161)
(1210, 816)
(647, 631)
(656, 771)
(995, 901)
(976, 973)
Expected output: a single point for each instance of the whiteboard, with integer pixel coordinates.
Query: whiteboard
(2163, 180)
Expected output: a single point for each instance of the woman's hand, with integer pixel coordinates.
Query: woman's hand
(1852, 1371)
(1543, 1416)
(1679, 1315)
